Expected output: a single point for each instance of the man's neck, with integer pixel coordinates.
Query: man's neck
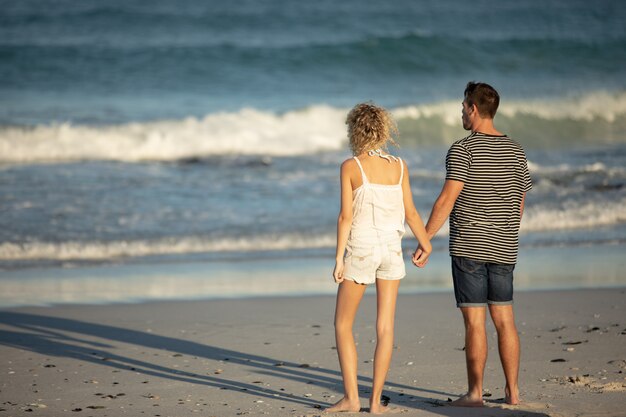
(486, 126)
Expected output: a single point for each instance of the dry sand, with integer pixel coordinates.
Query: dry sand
(276, 357)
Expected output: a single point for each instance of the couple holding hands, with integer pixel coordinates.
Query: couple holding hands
(486, 182)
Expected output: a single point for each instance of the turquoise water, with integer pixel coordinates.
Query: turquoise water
(207, 133)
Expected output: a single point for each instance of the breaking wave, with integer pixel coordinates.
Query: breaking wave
(598, 117)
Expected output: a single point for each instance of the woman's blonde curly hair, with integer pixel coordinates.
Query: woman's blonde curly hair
(370, 127)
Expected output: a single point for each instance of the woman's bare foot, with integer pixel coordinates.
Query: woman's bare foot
(345, 406)
(511, 398)
(468, 401)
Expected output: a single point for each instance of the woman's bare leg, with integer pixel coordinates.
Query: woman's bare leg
(349, 296)
(386, 295)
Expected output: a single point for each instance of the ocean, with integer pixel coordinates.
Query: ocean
(157, 149)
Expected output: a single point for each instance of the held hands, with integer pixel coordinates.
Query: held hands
(420, 257)
(338, 272)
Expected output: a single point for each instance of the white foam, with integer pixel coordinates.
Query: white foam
(72, 250)
(246, 132)
(256, 132)
(536, 168)
(596, 105)
(574, 215)
(567, 216)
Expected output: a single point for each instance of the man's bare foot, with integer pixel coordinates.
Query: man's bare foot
(468, 401)
(511, 399)
(378, 408)
(345, 406)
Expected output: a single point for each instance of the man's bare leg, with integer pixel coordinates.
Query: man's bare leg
(349, 296)
(509, 349)
(386, 296)
(475, 356)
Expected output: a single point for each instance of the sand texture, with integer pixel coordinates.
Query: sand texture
(276, 357)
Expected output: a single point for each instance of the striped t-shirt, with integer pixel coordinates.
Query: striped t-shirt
(485, 220)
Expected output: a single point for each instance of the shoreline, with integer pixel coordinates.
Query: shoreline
(275, 356)
(538, 268)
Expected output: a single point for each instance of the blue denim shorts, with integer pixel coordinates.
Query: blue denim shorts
(478, 283)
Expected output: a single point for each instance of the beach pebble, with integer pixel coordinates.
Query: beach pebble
(578, 342)
(409, 363)
(558, 329)
(569, 349)
(558, 360)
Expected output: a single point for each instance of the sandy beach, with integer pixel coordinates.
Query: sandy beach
(276, 356)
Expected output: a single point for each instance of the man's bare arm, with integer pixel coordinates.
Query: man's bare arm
(443, 206)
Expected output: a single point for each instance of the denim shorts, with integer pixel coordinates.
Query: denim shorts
(478, 283)
(374, 255)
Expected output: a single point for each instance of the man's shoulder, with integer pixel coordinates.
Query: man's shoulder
(516, 144)
(477, 139)
(461, 147)
(463, 142)
(516, 147)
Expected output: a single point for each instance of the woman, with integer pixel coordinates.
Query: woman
(376, 201)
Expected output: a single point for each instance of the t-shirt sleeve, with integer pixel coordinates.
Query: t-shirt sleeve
(458, 161)
(528, 183)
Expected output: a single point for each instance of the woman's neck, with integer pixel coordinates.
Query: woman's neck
(377, 153)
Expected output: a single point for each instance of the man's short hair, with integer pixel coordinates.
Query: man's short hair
(484, 96)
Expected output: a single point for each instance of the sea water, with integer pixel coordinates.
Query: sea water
(200, 141)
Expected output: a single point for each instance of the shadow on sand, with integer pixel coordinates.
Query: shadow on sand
(49, 336)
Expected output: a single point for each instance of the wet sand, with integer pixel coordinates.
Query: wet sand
(276, 357)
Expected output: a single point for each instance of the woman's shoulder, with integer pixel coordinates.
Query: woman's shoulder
(349, 163)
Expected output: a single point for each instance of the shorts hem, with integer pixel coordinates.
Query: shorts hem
(356, 281)
(391, 278)
(500, 303)
(471, 305)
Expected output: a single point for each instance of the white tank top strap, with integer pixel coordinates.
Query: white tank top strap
(363, 176)
(401, 171)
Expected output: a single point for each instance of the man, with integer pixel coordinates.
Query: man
(486, 182)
